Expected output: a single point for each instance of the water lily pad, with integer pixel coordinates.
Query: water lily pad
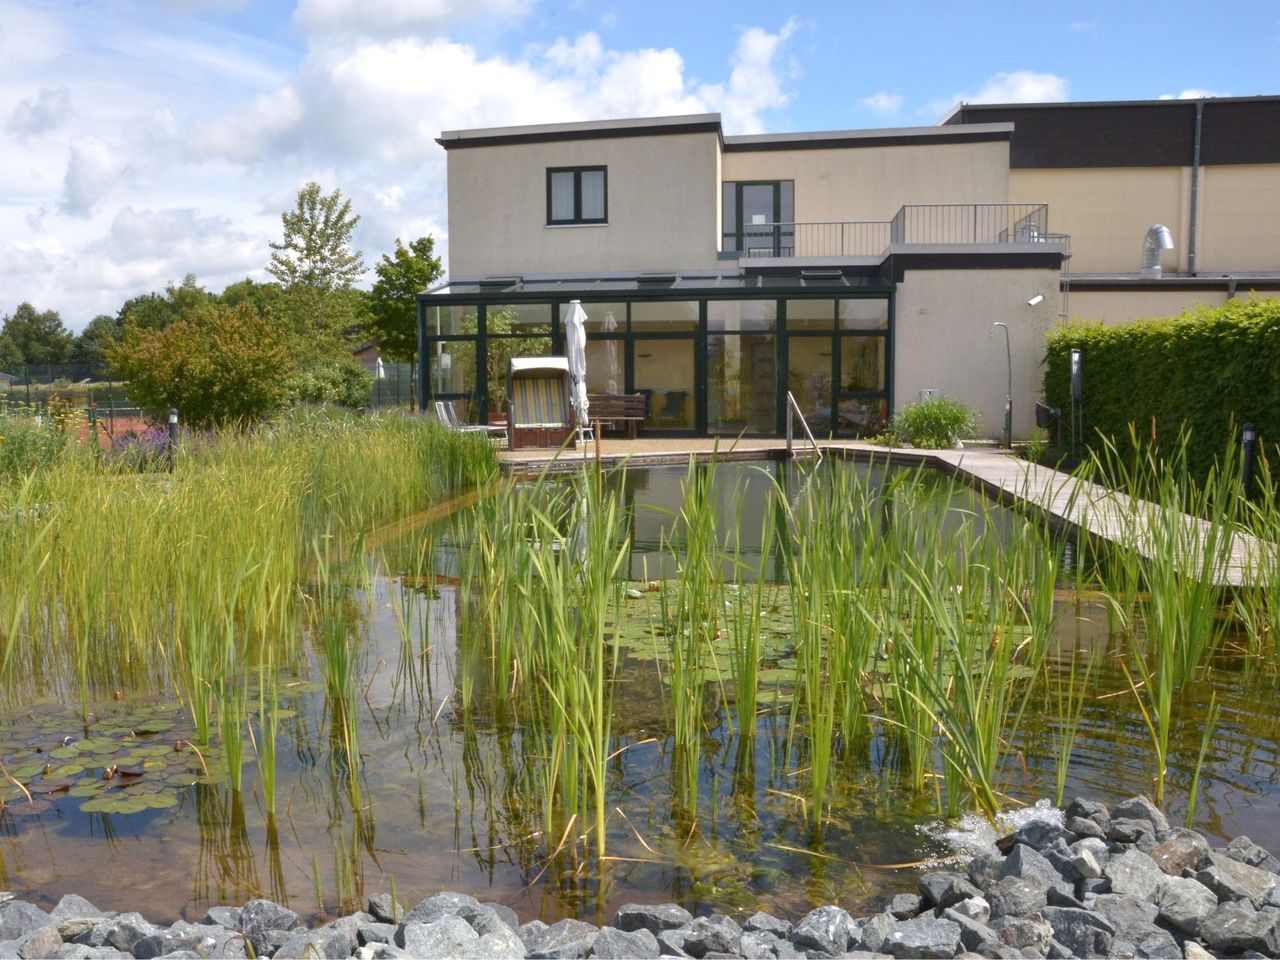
(68, 770)
(26, 771)
(89, 788)
(51, 785)
(64, 753)
(28, 808)
(162, 801)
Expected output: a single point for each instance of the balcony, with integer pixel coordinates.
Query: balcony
(918, 223)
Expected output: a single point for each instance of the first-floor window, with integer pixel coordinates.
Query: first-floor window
(577, 195)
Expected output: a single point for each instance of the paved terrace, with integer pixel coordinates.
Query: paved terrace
(1067, 502)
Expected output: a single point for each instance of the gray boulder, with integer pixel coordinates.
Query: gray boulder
(1089, 810)
(1159, 945)
(943, 889)
(761, 922)
(1026, 934)
(671, 942)
(924, 937)
(1085, 828)
(1181, 851)
(975, 908)
(1016, 896)
(447, 938)
(124, 932)
(1140, 808)
(1233, 880)
(1133, 874)
(500, 943)
(829, 929)
(1237, 927)
(329, 942)
(1037, 834)
(715, 934)
(615, 944)
(1246, 851)
(384, 909)
(259, 919)
(973, 933)
(1132, 833)
(651, 917)
(1185, 903)
(221, 916)
(19, 918)
(447, 904)
(872, 934)
(566, 940)
(1084, 933)
(984, 869)
(39, 943)
(904, 906)
(1022, 861)
(71, 906)
(376, 932)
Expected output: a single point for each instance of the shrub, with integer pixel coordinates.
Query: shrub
(938, 422)
(27, 444)
(1206, 371)
(343, 381)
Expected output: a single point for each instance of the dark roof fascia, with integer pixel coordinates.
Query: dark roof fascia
(592, 130)
(1240, 282)
(888, 137)
(987, 257)
(953, 118)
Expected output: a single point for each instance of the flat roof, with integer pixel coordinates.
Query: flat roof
(581, 130)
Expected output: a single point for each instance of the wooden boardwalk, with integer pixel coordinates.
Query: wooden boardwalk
(1066, 502)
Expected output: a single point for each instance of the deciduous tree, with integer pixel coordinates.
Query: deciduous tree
(393, 301)
(316, 248)
(36, 337)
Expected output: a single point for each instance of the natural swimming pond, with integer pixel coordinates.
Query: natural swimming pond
(765, 709)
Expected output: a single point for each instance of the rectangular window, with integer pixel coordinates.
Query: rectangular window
(758, 217)
(577, 195)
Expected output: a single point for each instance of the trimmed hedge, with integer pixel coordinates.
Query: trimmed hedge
(1209, 370)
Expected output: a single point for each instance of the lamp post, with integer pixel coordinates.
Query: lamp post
(1249, 437)
(173, 435)
(1007, 440)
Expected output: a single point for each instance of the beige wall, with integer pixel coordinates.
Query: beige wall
(941, 339)
(663, 197)
(1123, 306)
(1108, 212)
(871, 183)
(1239, 219)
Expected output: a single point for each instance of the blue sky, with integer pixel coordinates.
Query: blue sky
(140, 141)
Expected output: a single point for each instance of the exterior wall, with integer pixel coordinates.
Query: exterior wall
(663, 207)
(1239, 219)
(871, 183)
(1122, 306)
(1108, 211)
(942, 324)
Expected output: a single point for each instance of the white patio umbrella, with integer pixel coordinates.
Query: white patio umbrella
(611, 351)
(576, 348)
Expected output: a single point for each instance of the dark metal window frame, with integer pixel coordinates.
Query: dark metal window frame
(739, 232)
(578, 218)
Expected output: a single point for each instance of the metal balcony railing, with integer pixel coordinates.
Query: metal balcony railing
(929, 223)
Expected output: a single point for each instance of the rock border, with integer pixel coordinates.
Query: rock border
(1108, 882)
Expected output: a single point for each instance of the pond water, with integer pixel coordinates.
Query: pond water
(439, 800)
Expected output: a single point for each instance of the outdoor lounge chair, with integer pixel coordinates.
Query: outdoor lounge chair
(673, 409)
(447, 414)
(540, 412)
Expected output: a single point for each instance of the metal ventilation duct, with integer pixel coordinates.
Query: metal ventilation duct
(1157, 240)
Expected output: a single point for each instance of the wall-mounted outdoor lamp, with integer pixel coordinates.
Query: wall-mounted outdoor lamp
(1037, 299)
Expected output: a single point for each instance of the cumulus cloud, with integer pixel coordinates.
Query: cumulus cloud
(92, 170)
(1192, 93)
(389, 18)
(753, 82)
(47, 110)
(882, 102)
(1015, 86)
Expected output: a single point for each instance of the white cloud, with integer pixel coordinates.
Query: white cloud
(389, 18)
(47, 110)
(92, 170)
(1015, 86)
(883, 102)
(753, 82)
(1193, 93)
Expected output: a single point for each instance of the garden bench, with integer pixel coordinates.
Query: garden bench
(618, 411)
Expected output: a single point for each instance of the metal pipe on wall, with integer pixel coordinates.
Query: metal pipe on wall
(1193, 220)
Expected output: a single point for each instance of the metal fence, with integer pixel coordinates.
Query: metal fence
(971, 223)
(830, 238)
(393, 387)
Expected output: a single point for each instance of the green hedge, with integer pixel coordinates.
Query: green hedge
(1208, 370)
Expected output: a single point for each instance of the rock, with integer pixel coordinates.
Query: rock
(260, 918)
(761, 922)
(72, 906)
(1184, 903)
(124, 932)
(1140, 808)
(651, 917)
(1133, 874)
(1016, 896)
(39, 943)
(973, 933)
(386, 910)
(999, 951)
(76, 927)
(484, 920)
(904, 906)
(19, 918)
(829, 929)
(1083, 933)
(1022, 861)
(923, 937)
(1024, 933)
(1159, 945)
(228, 917)
(376, 932)
(719, 934)
(1132, 833)
(615, 944)
(975, 908)
(1086, 865)
(1085, 828)
(1246, 851)
(330, 942)
(943, 889)
(1056, 898)
(1133, 920)
(1182, 851)
(502, 943)
(1193, 951)
(873, 933)
(1089, 810)
(72, 951)
(443, 939)
(1092, 887)
(1037, 835)
(1233, 880)
(758, 945)
(1236, 927)
(984, 869)
(435, 908)
(671, 942)
(504, 913)
(566, 940)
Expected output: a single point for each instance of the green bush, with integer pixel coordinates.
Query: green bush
(1207, 372)
(938, 422)
(343, 381)
(27, 445)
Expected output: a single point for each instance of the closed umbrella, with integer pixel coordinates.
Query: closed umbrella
(576, 348)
